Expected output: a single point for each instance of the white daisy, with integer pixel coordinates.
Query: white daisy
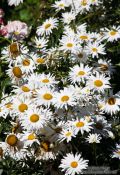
(23, 91)
(40, 43)
(15, 73)
(20, 105)
(60, 5)
(73, 164)
(27, 65)
(81, 125)
(93, 138)
(45, 96)
(80, 56)
(29, 138)
(35, 118)
(65, 98)
(82, 5)
(68, 17)
(79, 73)
(111, 104)
(99, 82)
(69, 44)
(66, 134)
(47, 80)
(47, 26)
(95, 49)
(112, 34)
(39, 60)
(101, 126)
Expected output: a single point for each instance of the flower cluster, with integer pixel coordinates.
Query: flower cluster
(61, 93)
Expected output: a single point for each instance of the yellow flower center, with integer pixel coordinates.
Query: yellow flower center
(98, 83)
(74, 164)
(14, 49)
(31, 136)
(68, 134)
(45, 146)
(83, 37)
(34, 118)
(111, 101)
(25, 89)
(12, 140)
(22, 107)
(118, 152)
(26, 62)
(40, 60)
(70, 45)
(47, 26)
(9, 105)
(45, 81)
(16, 33)
(17, 72)
(94, 49)
(112, 33)
(61, 5)
(79, 124)
(65, 98)
(47, 96)
(81, 73)
(84, 2)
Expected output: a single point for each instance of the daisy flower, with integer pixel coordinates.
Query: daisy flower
(83, 37)
(111, 104)
(98, 83)
(95, 49)
(69, 43)
(60, 5)
(39, 60)
(20, 105)
(12, 141)
(47, 80)
(35, 118)
(23, 91)
(15, 73)
(100, 125)
(81, 125)
(66, 134)
(80, 56)
(73, 164)
(116, 152)
(82, 5)
(93, 138)
(29, 138)
(65, 98)
(79, 73)
(40, 43)
(112, 34)
(45, 96)
(14, 2)
(27, 65)
(105, 66)
(47, 27)
(68, 17)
